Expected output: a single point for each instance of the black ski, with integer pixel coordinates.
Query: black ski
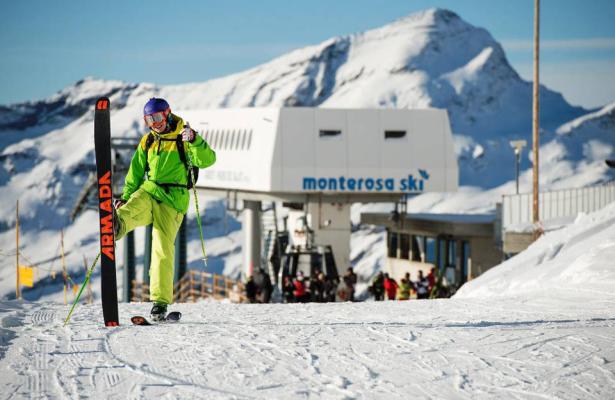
(102, 147)
(173, 316)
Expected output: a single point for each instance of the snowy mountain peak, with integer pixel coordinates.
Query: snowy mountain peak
(62, 107)
(433, 41)
(86, 89)
(431, 17)
(602, 119)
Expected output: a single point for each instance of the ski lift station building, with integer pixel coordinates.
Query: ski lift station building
(324, 160)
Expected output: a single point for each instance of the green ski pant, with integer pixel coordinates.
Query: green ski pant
(141, 210)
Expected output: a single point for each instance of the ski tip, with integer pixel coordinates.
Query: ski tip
(103, 103)
(112, 323)
(173, 316)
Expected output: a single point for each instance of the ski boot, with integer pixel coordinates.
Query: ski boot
(159, 312)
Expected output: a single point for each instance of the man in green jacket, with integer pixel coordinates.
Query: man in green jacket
(156, 192)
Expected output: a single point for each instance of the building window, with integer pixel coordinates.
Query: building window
(417, 248)
(217, 134)
(452, 252)
(393, 134)
(249, 139)
(404, 245)
(442, 253)
(233, 141)
(329, 133)
(393, 244)
(465, 261)
(227, 139)
(244, 133)
(237, 138)
(430, 250)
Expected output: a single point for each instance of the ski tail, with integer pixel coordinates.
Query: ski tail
(102, 140)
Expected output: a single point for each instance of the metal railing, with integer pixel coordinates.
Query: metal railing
(517, 208)
(195, 285)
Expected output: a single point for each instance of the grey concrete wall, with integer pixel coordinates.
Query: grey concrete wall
(483, 255)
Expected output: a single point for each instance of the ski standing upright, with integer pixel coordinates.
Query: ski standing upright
(102, 146)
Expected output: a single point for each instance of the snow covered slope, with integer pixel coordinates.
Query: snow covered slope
(456, 348)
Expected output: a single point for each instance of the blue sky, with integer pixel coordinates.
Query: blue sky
(47, 45)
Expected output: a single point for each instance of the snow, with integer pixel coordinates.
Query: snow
(588, 119)
(540, 325)
(434, 349)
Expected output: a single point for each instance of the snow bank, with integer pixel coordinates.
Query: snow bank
(574, 262)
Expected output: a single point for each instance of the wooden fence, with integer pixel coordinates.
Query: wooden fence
(195, 285)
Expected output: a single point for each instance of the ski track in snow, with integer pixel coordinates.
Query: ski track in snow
(433, 349)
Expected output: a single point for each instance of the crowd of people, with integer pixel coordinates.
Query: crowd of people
(259, 288)
(425, 287)
(320, 288)
(317, 288)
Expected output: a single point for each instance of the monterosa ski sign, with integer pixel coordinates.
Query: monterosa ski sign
(362, 184)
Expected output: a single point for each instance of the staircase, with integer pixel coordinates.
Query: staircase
(271, 248)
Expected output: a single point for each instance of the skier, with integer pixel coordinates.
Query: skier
(287, 289)
(405, 287)
(300, 292)
(350, 280)
(263, 285)
(317, 287)
(422, 286)
(390, 287)
(431, 278)
(156, 192)
(251, 289)
(378, 286)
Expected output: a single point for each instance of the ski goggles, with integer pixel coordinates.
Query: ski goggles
(156, 117)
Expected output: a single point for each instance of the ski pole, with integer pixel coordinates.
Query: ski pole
(87, 278)
(196, 204)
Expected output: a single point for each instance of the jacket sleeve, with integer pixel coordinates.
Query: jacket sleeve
(201, 154)
(134, 177)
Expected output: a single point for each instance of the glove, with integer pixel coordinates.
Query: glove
(188, 135)
(117, 203)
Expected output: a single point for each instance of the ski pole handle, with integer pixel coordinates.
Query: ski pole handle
(188, 135)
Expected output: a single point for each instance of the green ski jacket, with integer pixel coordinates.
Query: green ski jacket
(165, 166)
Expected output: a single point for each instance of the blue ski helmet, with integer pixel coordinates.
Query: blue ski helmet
(155, 105)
